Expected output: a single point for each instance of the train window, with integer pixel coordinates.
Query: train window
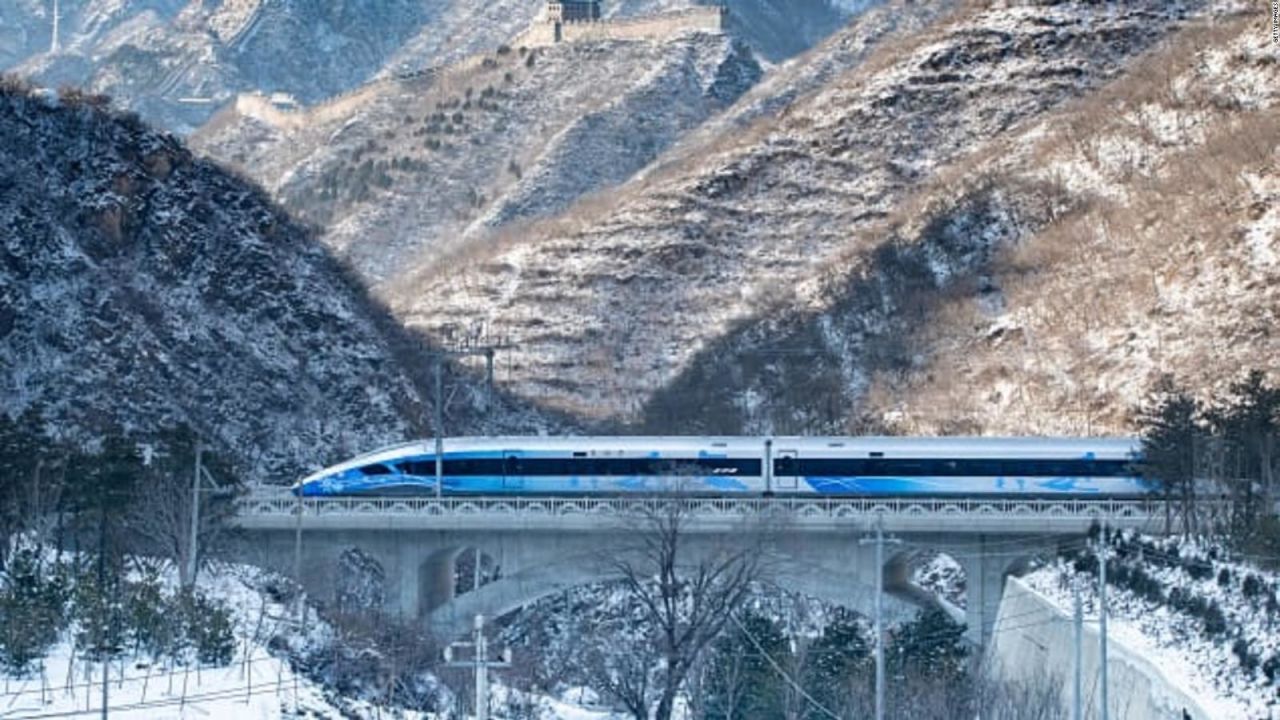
(419, 468)
(579, 453)
(875, 454)
(377, 469)
(949, 468)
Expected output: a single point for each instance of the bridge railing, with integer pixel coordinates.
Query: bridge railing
(275, 504)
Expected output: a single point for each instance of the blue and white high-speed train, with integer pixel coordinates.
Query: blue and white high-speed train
(735, 466)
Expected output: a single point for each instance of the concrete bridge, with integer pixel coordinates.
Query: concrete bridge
(533, 547)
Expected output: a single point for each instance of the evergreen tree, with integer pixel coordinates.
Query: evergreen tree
(1249, 426)
(931, 645)
(33, 602)
(838, 668)
(23, 450)
(1171, 435)
(741, 682)
(100, 488)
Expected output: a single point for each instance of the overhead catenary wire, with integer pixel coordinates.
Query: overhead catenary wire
(781, 671)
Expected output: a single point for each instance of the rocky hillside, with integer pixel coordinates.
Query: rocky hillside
(719, 274)
(420, 166)
(156, 56)
(1132, 234)
(141, 286)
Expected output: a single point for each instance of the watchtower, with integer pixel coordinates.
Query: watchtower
(573, 10)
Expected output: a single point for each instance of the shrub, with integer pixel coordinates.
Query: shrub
(94, 609)
(1215, 623)
(1197, 569)
(33, 605)
(1248, 661)
(209, 628)
(1252, 586)
(1271, 668)
(1224, 577)
(1085, 563)
(153, 621)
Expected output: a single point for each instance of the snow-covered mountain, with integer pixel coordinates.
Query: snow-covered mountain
(850, 242)
(142, 286)
(775, 276)
(175, 62)
(404, 171)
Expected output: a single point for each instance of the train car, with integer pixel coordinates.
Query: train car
(737, 466)
(551, 466)
(958, 466)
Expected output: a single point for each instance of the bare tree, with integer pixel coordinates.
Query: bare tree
(625, 675)
(685, 592)
(1038, 698)
(160, 514)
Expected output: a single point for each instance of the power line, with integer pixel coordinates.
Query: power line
(778, 669)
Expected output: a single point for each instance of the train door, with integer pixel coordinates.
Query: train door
(785, 470)
(512, 470)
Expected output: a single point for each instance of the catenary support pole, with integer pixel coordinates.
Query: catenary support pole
(193, 548)
(1102, 617)
(297, 559)
(1077, 690)
(439, 425)
(488, 380)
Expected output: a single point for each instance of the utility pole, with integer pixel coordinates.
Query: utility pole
(1102, 614)
(480, 663)
(55, 46)
(103, 606)
(1077, 706)
(488, 352)
(879, 609)
(194, 546)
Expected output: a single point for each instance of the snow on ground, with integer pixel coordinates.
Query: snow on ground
(256, 684)
(1207, 666)
(943, 576)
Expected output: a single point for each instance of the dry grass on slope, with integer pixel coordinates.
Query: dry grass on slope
(607, 309)
(1166, 261)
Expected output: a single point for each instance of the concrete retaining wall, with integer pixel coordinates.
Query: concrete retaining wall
(1033, 643)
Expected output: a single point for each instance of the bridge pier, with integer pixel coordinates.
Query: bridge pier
(436, 585)
(987, 565)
